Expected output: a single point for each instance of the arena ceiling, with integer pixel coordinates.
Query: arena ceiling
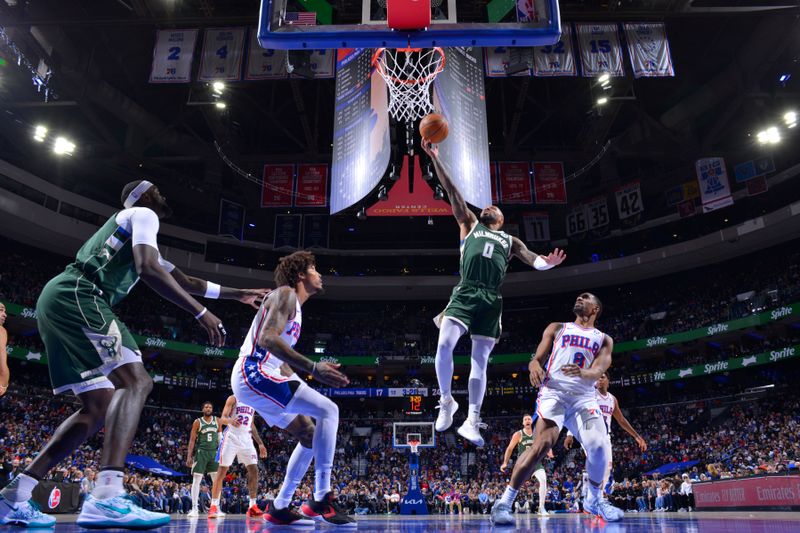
(728, 57)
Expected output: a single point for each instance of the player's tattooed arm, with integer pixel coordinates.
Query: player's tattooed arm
(546, 262)
(282, 303)
(536, 366)
(600, 364)
(200, 287)
(463, 215)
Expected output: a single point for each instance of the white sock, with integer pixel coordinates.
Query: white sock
(109, 484)
(252, 502)
(449, 333)
(541, 477)
(196, 479)
(509, 495)
(595, 493)
(295, 470)
(20, 489)
(481, 349)
(215, 501)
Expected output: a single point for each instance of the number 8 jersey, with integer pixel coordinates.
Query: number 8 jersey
(572, 345)
(484, 256)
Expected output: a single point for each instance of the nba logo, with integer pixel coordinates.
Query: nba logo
(54, 499)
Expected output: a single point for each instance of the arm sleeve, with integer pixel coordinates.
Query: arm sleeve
(144, 227)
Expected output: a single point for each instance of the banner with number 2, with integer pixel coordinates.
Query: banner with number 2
(172, 56)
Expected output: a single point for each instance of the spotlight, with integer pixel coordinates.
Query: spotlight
(220, 105)
(362, 214)
(438, 193)
(604, 78)
(218, 87)
(783, 78)
(62, 146)
(770, 135)
(602, 101)
(40, 133)
(382, 195)
(790, 118)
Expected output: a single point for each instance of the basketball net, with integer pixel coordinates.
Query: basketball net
(408, 73)
(414, 445)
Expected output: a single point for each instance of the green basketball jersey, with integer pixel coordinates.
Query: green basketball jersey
(208, 436)
(525, 442)
(106, 259)
(484, 256)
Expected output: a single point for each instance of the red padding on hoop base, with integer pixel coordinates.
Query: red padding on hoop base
(408, 14)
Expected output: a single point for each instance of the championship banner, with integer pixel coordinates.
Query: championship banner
(497, 58)
(287, 231)
(714, 187)
(231, 219)
(649, 50)
(172, 56)
(556, 59)
(493, 178)
(548, 182)
(323, 64)
(315, 231)
(600, 50)
(537, 226)
(515, 183)
(264, 64)
(312, 186)
(759, 493)
(576, 220)
(277, 187)
(597, 212)
(222, 54)
(629, 200)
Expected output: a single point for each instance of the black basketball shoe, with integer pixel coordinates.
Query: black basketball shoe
(327, 512)
(286, 517)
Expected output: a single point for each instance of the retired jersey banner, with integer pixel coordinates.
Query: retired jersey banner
(600, 50)
(223, 49)
(576, 220)
(714, 187)
(515, 183)
(287, 231)
(277, 187)
(323, 64)
(597, 212)
(629, 200)
(264, 64)
(493, 179)
(172, 56)
(312, 186)
(537, 226)
(555, 59)
(548, 182)
(649, 50)
(231, 219)
(497, 58)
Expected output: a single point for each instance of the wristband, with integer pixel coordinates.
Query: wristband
(212, 290)
(199, 315)
(541, 264)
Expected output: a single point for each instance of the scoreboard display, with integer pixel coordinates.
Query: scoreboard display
(414, 405)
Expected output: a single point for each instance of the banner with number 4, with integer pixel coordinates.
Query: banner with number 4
(629, 200)
(222, 54)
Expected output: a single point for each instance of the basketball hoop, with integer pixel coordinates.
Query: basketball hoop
(414, 445)
(408, 73)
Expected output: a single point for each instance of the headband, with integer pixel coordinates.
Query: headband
(136, 193)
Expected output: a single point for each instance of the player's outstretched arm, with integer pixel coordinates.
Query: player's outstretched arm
(536, 366)
(509, 450)
(209, 289)
(600, 364)
(624, 424)
(539, 262)
(282, 303)
(464, 216)
(192, 440)
(262, 450)
(5, 374)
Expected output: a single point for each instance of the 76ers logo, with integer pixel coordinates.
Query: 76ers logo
(54, 499)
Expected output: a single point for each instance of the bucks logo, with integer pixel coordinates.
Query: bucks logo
(108, 344)
(111, 347)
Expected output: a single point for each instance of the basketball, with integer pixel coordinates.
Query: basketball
(433, 127)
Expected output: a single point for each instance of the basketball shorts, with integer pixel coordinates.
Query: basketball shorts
(574, 411)
(205, 462)
(236, 445)
(476, 308)
(83, 338)
(270, 394)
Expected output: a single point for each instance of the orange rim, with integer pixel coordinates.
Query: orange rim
(377, 64)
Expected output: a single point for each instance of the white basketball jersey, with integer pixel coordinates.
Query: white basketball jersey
(270, 363)
(573, 345)
(244, 414)
(607, 405)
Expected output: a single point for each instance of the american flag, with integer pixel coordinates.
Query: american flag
(301, 18)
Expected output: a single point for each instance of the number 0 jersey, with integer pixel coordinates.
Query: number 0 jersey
(573, 345)
(484, 256)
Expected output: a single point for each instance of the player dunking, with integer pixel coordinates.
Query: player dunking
(609, 407)
(579, 354)
(92, 353)
(237, 442)
(522, 440)
(476, 303)
(264, 377)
